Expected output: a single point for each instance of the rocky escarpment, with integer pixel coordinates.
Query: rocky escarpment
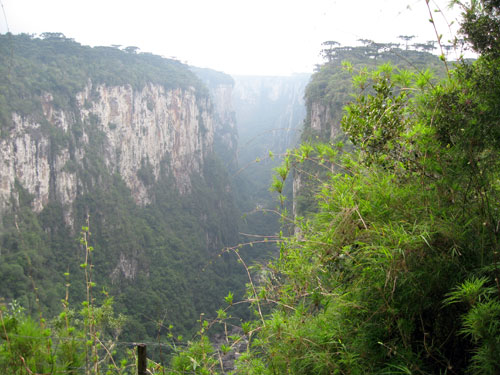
(323, 121)
(322, 124)
(221, 87)
(269, 112)
(226, 133)
(140, 133)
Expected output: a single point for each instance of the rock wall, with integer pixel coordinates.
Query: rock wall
(141, 132)
(322, 124)
(221, 87)
(226, 133)
(323, 121)
(269, 111)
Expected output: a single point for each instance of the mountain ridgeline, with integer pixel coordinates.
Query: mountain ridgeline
(130, 141)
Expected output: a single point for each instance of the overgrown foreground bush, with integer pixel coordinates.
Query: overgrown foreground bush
(398, 270)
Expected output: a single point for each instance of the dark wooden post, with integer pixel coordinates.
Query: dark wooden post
(141, 359)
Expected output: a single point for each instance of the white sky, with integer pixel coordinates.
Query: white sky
(260, 37)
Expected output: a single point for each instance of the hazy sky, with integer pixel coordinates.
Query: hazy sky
(264, 37)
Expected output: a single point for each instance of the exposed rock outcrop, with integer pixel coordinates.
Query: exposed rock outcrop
(141, 134)
(270, 112)
(221, 87)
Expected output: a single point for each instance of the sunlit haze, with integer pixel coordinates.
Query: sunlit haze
(260, 37)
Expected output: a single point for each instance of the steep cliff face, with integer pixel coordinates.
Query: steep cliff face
(143, 128)
(323, 121)
(269, 113)
(221, 87)
(226, 132)
(141, 135)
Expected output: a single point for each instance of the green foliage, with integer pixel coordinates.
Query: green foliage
(390, 72)
(375, 122)
(32, 67)
(396, 272)
(480, 25)
(481, 323)
(332, 85)
(184, 235)
(347, 287)
(196, 359)
(58, 346)
(369, 282)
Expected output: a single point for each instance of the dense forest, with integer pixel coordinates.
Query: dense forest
(394, 269)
